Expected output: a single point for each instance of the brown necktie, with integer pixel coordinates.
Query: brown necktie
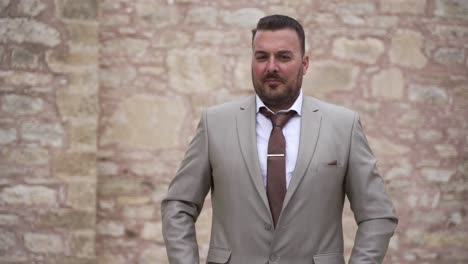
(276, 161)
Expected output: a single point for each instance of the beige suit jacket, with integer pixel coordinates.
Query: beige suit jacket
(222, 157)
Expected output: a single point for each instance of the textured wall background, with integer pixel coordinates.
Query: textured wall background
(99, 98)
(48, 127)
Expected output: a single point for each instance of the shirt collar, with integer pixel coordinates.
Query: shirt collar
(297, 106)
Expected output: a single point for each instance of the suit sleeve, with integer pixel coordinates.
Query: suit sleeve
(372, 207)
(185, 198)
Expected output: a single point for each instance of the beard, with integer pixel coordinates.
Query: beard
(278, 96)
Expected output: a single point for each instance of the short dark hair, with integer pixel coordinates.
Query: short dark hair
(275, 22)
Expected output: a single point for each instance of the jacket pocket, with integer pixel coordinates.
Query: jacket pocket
(330, 258)
(218, 255)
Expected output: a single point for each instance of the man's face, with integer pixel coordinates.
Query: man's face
(277, 67)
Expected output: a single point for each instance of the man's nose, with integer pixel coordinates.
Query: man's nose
(272, 65)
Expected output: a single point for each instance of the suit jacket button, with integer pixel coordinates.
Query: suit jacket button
(273, 257)
(268, 227)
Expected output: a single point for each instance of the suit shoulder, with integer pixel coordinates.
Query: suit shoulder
(332, 110)
(229, 108)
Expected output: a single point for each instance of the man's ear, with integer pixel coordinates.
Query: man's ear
(305, 64)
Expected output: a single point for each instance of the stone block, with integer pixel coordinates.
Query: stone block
(82, 244)
(452, 9)
(28, 174)
(110, 228)
(83, 137)
(437, 175)
(29, 195)
(84, 82)
(24, 155)
(120, 186)
(111, 258)
(172, 39)
(242, 74)
(329, 76)
(223, 38)
(134, 200)
(427, 94)
(203, 226)
(355, 8)
(416, 7)
(149, 168)
(132, 48)
(44, 243)
(16, 105)
(31, 7)
(151, 14)
(445, 239)
(78, 10)
(406, 49)
(80, 33)
(19, 78)
(243, 18)
(386, 149)
(7, 135)
(81, 195)
(153, 231)
(64, 218)
(75, 164)
(155, 71)
(22, 58)
(430, 135)
(72, 60)
(47, 134)
(388, 83)
(159, 193)
(116, 20)
(138, 117)
(71, 260)
(106, 168)
(352, 20)
(144, 212)
(449, 56)
(21, 30)
(117, 77)
(446, 150)
(203, 16)
(72, 105)
(9, 220)
(153, 254)
(383, 21)
(7, 240)
(366, 50)
(193, 70)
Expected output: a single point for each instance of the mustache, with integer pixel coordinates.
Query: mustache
(273, 75)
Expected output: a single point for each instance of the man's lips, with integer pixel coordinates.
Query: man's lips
(273, 81)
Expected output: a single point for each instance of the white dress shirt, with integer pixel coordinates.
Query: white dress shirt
(291, 132)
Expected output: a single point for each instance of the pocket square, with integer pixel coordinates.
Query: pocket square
(333, 163)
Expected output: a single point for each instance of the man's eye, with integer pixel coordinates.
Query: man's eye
(285, 57)
(259, 58)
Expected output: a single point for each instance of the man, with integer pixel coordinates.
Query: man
(278, 190)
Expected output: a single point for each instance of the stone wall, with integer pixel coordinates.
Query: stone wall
(48, 127)
(88, 143)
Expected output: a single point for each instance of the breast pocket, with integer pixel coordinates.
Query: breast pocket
(218, 255)
(331, 258)
(330, 168)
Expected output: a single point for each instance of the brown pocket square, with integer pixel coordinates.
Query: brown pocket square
(333, 163)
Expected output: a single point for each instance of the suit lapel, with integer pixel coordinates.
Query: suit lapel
(246, 122)
(310, 128)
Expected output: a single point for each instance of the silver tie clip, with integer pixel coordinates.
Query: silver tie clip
(275, 155)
